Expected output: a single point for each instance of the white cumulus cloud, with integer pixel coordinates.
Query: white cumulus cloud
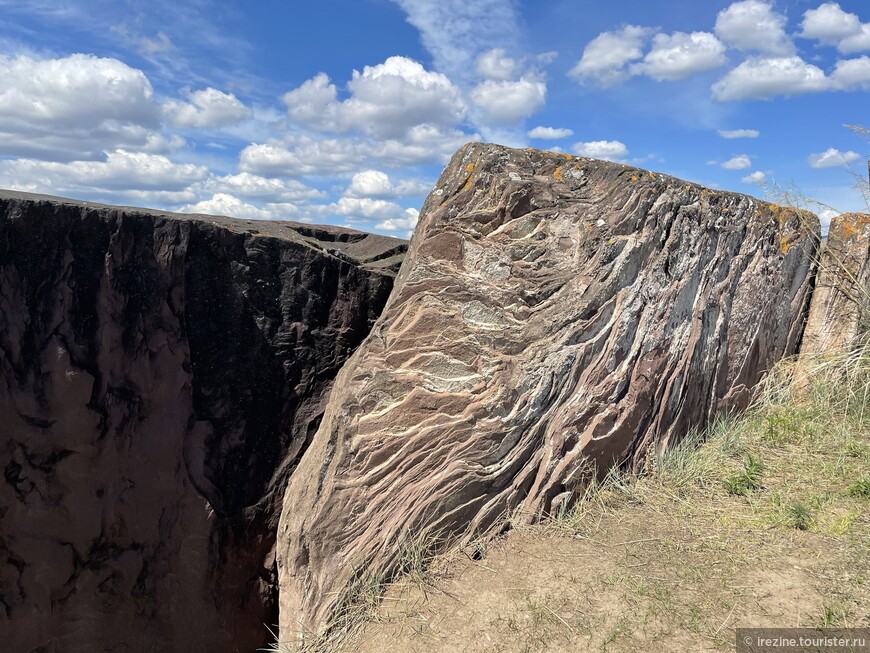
(550, 133)
(400, 224)
(495, 64)
(825, 217)
(757, 177)
(226, 204)
(370, 183)
(832, 158)
(207, 108)
(754, 25)
(831, 25)
(297, 156)
(851, 74)
(376, 183)
(247, 185)
(680, 55)
(359, 209)
(609, 150)
(739, 162)
(606, 57)
(76, 107)
(857, 42)
(385, 100)
(761, 78)
(303, 156)
(421, 144)
(509, 102)
(119, 171)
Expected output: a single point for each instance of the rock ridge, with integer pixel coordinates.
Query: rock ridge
(553, 314)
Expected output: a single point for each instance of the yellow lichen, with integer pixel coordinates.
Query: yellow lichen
(634, 177)
(469, 167)
(557, 174)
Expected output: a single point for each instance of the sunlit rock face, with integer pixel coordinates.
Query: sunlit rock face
(840, 308)
(160, 375)
(553, 313)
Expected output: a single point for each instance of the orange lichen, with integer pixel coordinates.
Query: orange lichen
(634, 177)
(851, 226)
(847, 229)
(469, 167)
(557, 174)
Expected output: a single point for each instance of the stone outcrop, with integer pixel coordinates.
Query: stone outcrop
(841, 298)
(552, 314)
(160, 375)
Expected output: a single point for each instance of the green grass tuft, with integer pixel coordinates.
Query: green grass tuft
(799, 516)
(748, 480)
(860, 488)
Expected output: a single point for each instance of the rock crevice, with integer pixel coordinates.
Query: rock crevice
(840, 308)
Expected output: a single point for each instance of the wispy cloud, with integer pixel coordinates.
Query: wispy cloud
(183, 43)
(456, 32)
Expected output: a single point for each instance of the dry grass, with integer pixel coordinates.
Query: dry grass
(675, 559)
(422, 563)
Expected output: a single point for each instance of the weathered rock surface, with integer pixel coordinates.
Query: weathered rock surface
(551, 311)
(160, 375)
(841, 298)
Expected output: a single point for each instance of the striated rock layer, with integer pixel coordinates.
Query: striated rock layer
(552, 312)
(160, 375)
(840, 308)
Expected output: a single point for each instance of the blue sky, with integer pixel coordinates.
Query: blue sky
(345, 112)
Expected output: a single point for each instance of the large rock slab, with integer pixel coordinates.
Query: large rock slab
(160, 375)
(552, 312)
(840, 308)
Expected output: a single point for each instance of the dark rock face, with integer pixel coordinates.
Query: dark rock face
(552, 312)
(840, 309)
(160, 376)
